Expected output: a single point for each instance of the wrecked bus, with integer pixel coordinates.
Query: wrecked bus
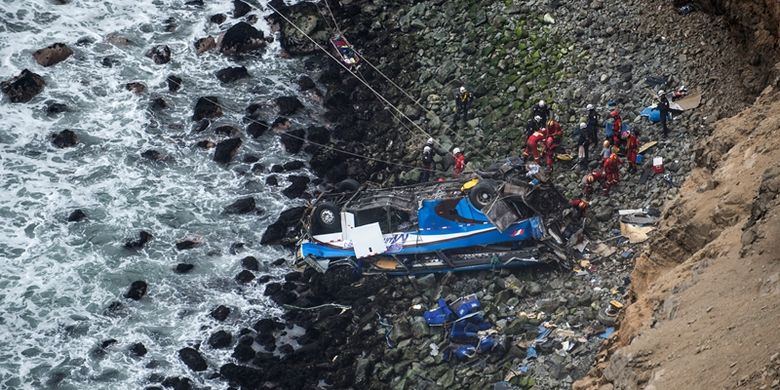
(508, 216)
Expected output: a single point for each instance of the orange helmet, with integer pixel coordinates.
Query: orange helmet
(614, 114)
(613, 156)
(583, 204)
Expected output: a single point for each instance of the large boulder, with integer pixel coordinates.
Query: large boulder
(292, 140)
(241, 38)
(297, 187)
(240, 8)
(22, 88)
(64, 139)
(220, 339)
(192, 358)
(308, 18)
(160, 54)
(203, 45)
(288, 105)
(52, 55)
(232, 73)
(207, 107)
(226, 150)
(137, 290)
(241, 206)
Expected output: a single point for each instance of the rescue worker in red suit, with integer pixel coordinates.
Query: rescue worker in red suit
(589, 181)
(460, 161)
(632, 150)
(531, 148)
(552, 140)
(579, 206)
(612, 170)
(616, 126)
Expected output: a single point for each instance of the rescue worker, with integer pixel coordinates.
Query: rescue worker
(427, 164)
(534, 124)
(554, 134)
(606, 151)
(612, 171)
(583, 143)
(589, 181)
(579, 206)
(593, 127)
(460, 161)
(632, 150)
(541, 110)
(617, 125)
(663, 109)
(531, 148)
(463, 101)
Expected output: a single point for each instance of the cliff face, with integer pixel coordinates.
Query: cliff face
(706, 290)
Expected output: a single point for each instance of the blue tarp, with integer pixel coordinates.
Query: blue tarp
(653, 114)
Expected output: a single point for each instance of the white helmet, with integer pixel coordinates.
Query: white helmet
(462, 89)
(429, 141)
(427, 149)
(589, 107)
(537, 118)
(456, 151)
(661, 92)
(542, 103)
(583, 125)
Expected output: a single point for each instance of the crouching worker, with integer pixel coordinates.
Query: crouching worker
(460, 161)
(580, 206)
(612, 170)
(590, 180)
(531, 147)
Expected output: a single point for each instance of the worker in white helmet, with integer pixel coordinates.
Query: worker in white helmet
(463, 101)
(542, 110)
(460, 161)
(593, 128)
(663, 108)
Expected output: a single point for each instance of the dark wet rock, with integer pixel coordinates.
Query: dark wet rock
(276, 168)
(241, 206)
(220, 313)
(306, 16)
(243, 352)
(119, 40)
(338, 101)
(242, 38)
(305, 83)
(246, 377)
(218, 18)
(348, 132)
(107, 343)
(194, 3)
(292, 140)
(138, 349)
(143, 238)
(205, 144)
(272, 288)
(22, 88)
(281, 123)
(135, 87)
(174, 83)
(273, 234)
(240, 8)
(250, 263)
(137, 290)
(226, 150)
(187, 243)
(220, 339)
(293, 165)
(232, 73)
(292, 216)
(294, 277)
(201, 125)
(154, 155)
(227, 130)
(160, 54)
(279, 262)
(256, 129)
(52, 55)
(55, 108)
(286, 349)
(288, 105)
(109, 62)
(183, 268)
(77, 215)
(158, 104)
(192, 359)
(251, 159)
(284, 297)
(203, 45)
(177, 383)
(297, 187)
(258, 168)
(64, 139)
(272, 180)
(318, 134)
(263, 279)
(245, 276)
(170, 24)
(207, 107)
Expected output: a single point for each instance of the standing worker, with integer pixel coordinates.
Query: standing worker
(553, 139)
(541, 110)
(617, 126)
(593, 127)
(427, 164)
(632, 150)
(531, 146)
(663, 108)
(583, 143)
(462, 103)
(460, 161)
(612, 170)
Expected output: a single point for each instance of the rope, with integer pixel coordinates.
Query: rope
(334, 20)
(332, 148)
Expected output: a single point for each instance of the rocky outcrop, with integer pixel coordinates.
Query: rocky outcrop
(52, 55)
(232, 73)
(226, 150)
(207, 107)
(22, 88)
(64, 139)
(241, 38)
(160, 54)
(307, 17)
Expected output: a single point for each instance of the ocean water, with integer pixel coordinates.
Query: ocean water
(58, 278)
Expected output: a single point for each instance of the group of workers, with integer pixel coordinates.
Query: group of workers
(544, 136)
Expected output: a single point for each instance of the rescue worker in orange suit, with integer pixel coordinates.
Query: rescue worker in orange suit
(617, 124)
(612, 171)
(553, 138)
(531, 146)
(460, 161)
(590, 180)
(462, 103)
(580, 207)
(632, 150)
